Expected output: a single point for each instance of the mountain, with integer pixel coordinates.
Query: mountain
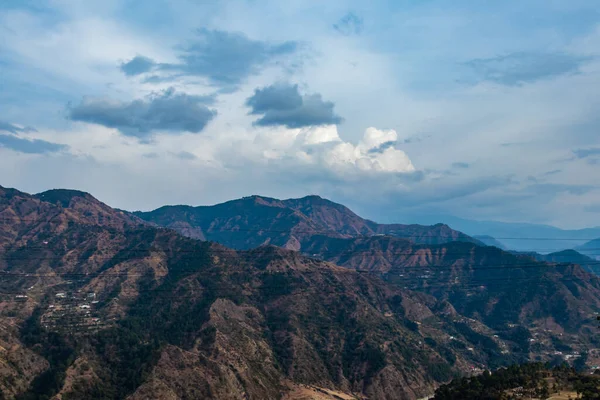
(591, 248)
(564, 257)
(489, 241)
(485, 283)
(96, 304)
(521, 236)
(567, 256)
(253, 221)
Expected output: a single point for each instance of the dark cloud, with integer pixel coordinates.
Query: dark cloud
(165, 111)
(585, 153)
(383, 147)
(137, 65)
(275, 97)
(519, 68)
(30, 146)
(461, 165)
(8, 127)
(349, 24)
(282, 105)
(224, 58)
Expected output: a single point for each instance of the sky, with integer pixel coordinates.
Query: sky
(403, 110)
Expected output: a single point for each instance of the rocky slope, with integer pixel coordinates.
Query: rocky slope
(253, 221)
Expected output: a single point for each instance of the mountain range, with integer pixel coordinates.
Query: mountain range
(261, 298)
(523, 236)
(255, 220)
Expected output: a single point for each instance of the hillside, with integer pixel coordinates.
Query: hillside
(253, 221)
(485, 283)
(101, 306)
(172, 317)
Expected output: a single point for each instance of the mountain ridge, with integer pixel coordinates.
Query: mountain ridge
(288, 223)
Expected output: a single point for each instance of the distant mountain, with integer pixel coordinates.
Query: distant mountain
(523, 237)
(564, 257)
(568, 256)
(485, 283)
(591, 248)
(253, 221)
(489, 241)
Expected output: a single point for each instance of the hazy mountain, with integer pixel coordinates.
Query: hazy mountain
(253, 221)
(521, 236)
(591, 248)
(564, 257)
(489, 241)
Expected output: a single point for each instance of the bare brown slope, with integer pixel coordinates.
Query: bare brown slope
(200, 320)
(197, 320)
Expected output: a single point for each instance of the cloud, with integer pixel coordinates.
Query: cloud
(281, 104)
(593, 208)
(321, 147)
(552, 172)
(383, 147)
(30, 146)
(516, 69)
(185, 155)
(8, 127)
(224, 58)
(543, 189)
(585, 153)
(164, 111)
(461, 165)
(137, 65)
(349, 24)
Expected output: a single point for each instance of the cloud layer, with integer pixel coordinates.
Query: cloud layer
(29, 146)
(224, 58)
(8, 127)
(524, 67)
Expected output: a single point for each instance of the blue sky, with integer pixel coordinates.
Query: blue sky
(400, 109)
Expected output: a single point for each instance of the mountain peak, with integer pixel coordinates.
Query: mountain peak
(64, 197)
